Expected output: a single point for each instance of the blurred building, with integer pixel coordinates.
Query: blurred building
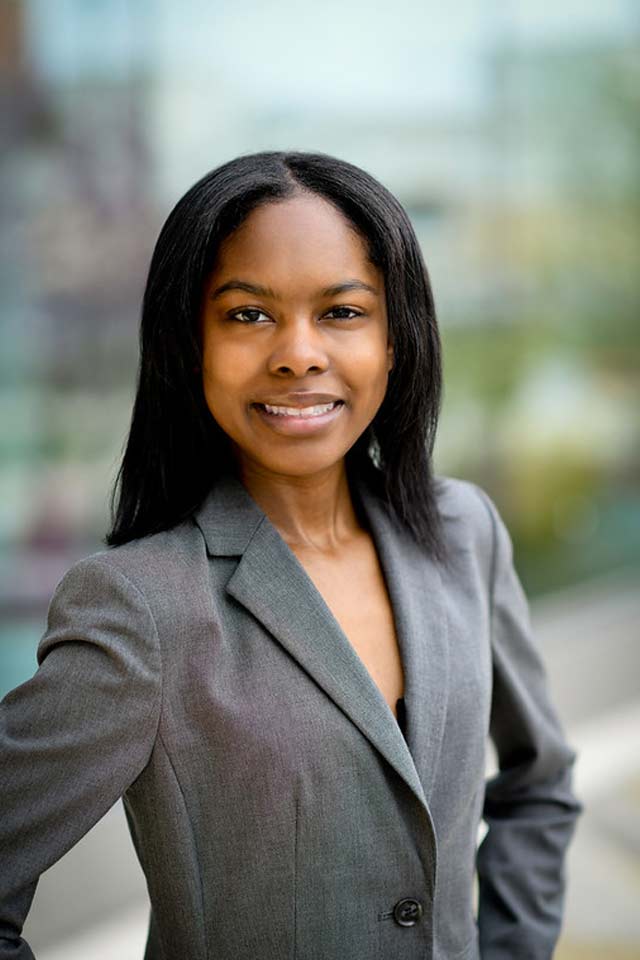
(510, 132)
(510, 135)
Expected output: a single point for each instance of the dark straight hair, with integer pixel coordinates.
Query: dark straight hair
(175, 449)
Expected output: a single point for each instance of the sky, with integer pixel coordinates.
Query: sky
(341, 55)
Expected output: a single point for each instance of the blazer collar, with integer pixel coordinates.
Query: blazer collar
(228, 518)
(270, 582)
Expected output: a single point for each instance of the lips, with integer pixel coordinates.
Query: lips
(313, 410)
(299, 398)
(298, 404)
(302, 418)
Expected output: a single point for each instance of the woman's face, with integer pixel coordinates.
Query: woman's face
(296, 351)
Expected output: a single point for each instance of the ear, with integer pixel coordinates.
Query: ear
(389, 356)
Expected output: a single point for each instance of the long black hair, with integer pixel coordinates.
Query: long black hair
(175, 449)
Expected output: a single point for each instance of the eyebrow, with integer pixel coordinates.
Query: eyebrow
(261, 291)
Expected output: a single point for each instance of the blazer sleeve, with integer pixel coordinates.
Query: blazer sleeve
(77, 734)
(529, 806)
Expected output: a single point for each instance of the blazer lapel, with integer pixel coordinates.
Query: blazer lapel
(416, 592)
(270, 582)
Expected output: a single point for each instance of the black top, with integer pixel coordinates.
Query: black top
(401, 710)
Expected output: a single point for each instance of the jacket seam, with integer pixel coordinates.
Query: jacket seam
(193, 838)
(158, 645)
(494, 553)
(260, 524)
(159, 738)
(295, 881)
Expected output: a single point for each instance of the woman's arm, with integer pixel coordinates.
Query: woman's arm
(529, 808)
(76, 735)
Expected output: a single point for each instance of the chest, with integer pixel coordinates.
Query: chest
(353, 587)
(276, 782)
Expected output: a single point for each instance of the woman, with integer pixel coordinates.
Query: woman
(284, 576)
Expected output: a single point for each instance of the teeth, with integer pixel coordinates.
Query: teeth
(300, 411)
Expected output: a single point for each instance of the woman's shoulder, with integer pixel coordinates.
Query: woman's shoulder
(468, 513)
(157, 565)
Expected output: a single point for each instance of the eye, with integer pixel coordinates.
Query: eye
(249, 315)
(343, 313)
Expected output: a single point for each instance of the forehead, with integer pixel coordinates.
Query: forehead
(305, 236)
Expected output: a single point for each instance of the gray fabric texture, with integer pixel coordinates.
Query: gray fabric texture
(276, 808)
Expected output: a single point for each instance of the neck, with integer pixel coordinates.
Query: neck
(312, 512)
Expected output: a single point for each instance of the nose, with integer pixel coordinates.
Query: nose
(298, 351)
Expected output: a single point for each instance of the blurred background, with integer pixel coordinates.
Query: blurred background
(511, 133)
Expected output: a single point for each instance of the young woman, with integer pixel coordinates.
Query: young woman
(290, 657)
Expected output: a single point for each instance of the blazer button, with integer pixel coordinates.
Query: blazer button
(407, 912)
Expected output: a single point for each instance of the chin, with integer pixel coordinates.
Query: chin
(293, 464)
(308, 469)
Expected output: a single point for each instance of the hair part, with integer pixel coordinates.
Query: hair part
(175, 449)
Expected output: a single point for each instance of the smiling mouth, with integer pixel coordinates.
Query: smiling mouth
(302, 413)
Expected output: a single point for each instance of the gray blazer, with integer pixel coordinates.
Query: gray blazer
(276, 808)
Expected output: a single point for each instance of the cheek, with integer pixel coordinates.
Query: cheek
(372, 369)
(226, 365)
(223, 375)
